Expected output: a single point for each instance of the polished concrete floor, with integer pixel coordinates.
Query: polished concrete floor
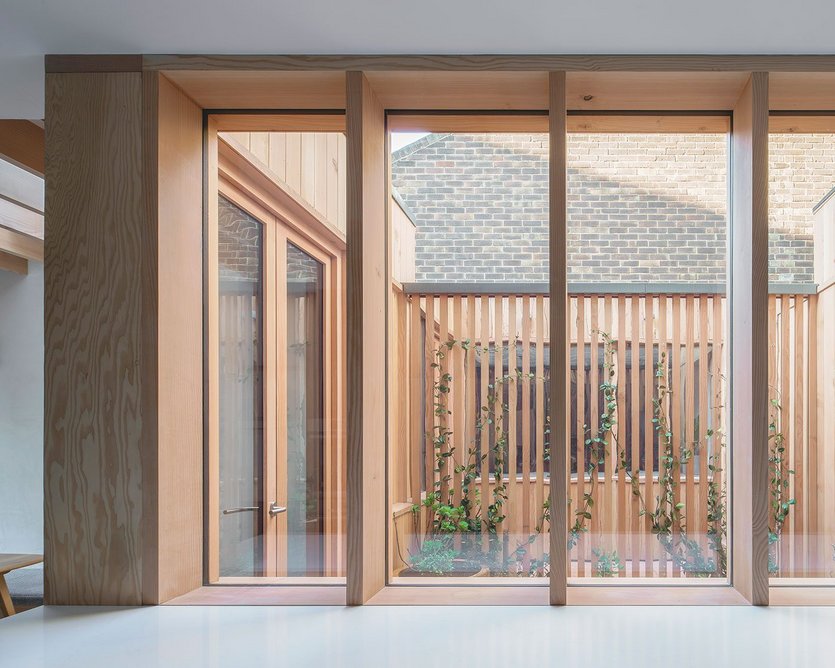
(402, 637)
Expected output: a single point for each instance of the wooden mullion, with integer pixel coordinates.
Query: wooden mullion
(558, 305)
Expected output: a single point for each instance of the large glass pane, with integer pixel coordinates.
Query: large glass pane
(647, 258)
(469, 371)
(801, 317)
(279, 493)
(241, 442)
(305, 414)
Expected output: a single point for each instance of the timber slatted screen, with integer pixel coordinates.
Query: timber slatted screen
(801, 550)
(641, 340)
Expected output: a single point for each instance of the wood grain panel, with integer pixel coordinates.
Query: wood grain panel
(461, 90)
(262, 90)
(616, 121)
(558, 333)
(211, 362)
(367, 286)
(22, 143)
(89, 63)
(99, 346)
(749, 341)
(487, 63)
(801, 91)
(175, 497)
(123, 294)
(684, 91)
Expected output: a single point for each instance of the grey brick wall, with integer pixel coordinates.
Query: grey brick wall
(640, 207)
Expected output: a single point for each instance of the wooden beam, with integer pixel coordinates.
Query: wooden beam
(21, 187)
(9, 262)
(748, 304)
(801, 91)
(22, 245)
(21, 219)
(649, 123)
(616, 122)
(211, 362)
(367, 291)
(22, 143)
(459, 122)
(508, 63)
(802, 124)
(238, 89)
(558, 224)
(651, 91)
(89, 63)
(280, 122)
(461, 90)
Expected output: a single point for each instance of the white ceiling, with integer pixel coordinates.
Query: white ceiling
(31, 28)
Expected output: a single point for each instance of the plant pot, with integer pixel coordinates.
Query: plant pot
(465, 571)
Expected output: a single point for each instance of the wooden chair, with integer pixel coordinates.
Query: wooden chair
(10, 562)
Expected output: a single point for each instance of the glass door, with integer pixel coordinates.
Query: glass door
(276, 361)
(272, 399)
(241, 391)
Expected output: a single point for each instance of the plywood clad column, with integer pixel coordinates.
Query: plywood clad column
(123, 336)
(558, 335)
(98, 347)
(367, 278)
(748, 383)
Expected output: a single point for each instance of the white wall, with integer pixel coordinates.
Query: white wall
(30, 29)
(21, 411)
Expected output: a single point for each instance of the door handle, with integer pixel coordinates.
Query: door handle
(242, 509)
(275, 509)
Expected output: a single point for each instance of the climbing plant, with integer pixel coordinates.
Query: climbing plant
(462, 522)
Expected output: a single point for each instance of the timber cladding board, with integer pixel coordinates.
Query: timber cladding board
(99, 266)
(173, 563)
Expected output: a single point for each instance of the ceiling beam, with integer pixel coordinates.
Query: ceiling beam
(22, 143)
(21, 245)
(13, 263)
(508, 63)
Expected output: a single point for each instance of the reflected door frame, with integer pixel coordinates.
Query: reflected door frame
(285, 220)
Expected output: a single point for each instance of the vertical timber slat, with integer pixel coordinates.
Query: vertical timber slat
(749, 340)
(367, 285)
(558, 304)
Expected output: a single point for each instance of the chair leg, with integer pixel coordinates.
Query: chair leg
(6, 606)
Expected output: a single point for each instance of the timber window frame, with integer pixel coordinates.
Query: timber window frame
(159, 564)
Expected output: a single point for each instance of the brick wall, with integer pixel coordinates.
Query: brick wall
(641, 207)
(239, 244)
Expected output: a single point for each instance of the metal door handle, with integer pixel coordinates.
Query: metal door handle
(275, 509)
(242, 509)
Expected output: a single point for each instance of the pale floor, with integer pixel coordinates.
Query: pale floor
(451, 637)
